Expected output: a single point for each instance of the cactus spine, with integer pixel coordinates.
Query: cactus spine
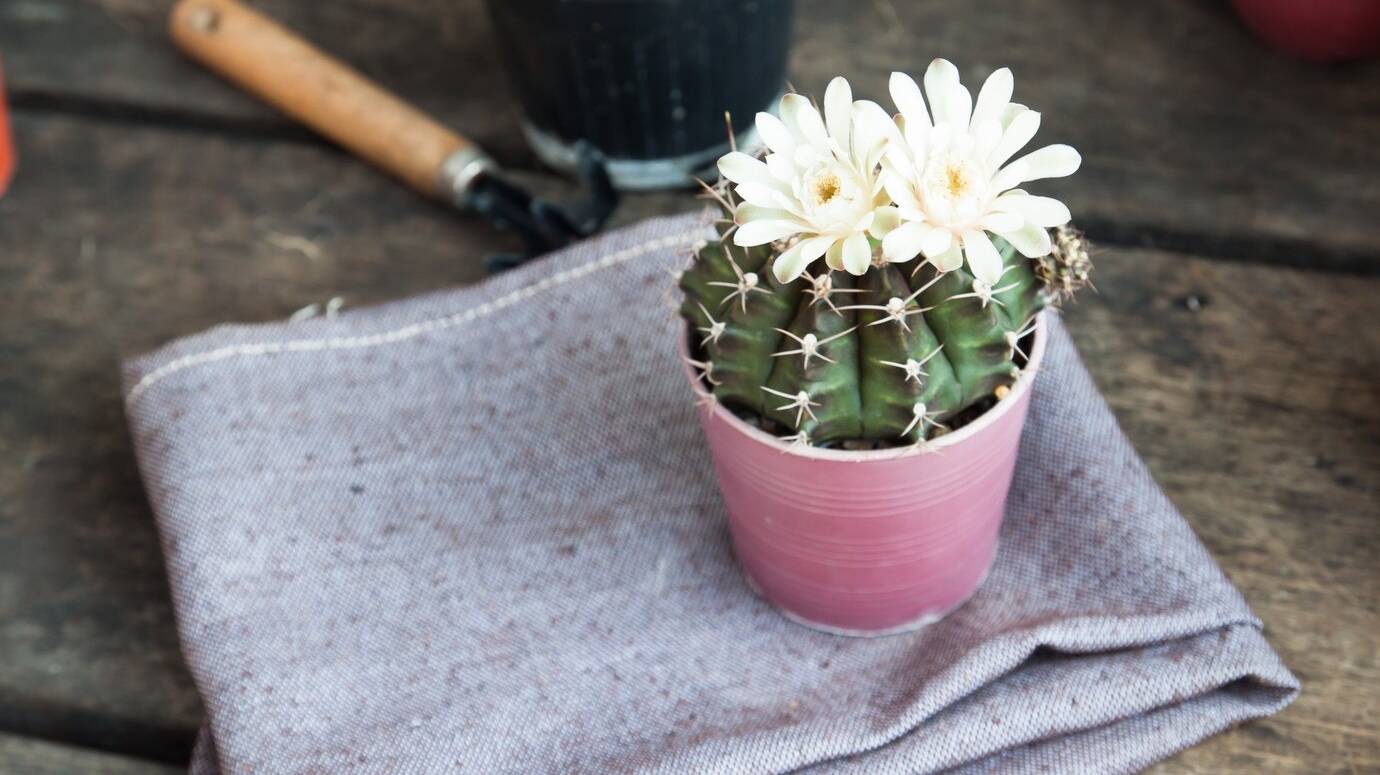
(898, 355)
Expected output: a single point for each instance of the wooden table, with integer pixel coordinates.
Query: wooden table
(1235, 195)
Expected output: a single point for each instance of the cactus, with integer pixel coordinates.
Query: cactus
(880, 346)
(899, 355)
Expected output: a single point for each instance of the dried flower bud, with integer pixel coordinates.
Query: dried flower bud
(1068, 265)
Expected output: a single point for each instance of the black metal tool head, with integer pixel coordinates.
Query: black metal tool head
(542, 225)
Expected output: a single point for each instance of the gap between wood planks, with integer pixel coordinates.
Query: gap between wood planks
(32, 718)
(1246, 247)
(32, 756)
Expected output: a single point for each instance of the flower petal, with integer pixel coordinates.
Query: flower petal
(1009, 113)
(746, 213)
(807, 155)
(960, 106)
(940, 139)
(1039, 210)
(940, 78)
(857, 254)
(884, 220)
(1000, 222)
(873, 133)
(1009, 177)
(741, 168)
(780, 167)
(983, 258)
(918, 143)
(804, 122)
(994, 96)
(755, 233)
(1051, 161)
(838, 112)
(816, 246)
(790, 264)
(987, 134)
(775, 134)
(1031, 240)
(834, 256)
(937, 243)
(766, 196)
(950, 259)
(904, 242)
(1020, 132)
(900, 190)
(909, 101)
(880, 198)
(896, 164)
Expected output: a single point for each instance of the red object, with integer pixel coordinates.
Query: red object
(1316, 30)
(6, 143)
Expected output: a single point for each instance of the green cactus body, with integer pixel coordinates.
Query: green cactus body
(905, 364)
(1019, 293)
(894, 353)
(973, 335)
(713, 278)
(819, 359)
(740, 360)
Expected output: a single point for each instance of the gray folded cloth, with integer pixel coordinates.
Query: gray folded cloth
(478, 531)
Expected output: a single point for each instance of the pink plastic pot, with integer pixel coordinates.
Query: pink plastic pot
(867, 543)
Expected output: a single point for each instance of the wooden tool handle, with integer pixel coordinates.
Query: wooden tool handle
(304, 82)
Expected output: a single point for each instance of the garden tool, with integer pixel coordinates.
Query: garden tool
(273, 63)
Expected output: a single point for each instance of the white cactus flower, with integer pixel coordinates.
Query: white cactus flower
(818, 184)
(950, 179)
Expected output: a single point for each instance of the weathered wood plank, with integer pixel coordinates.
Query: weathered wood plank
(30, 756)
(115, 55)
(1194, 136)
(1257, 412)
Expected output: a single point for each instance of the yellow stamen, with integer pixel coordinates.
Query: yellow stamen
(826, 188)
(957, 182)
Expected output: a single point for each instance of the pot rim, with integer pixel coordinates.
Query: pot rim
(1022, 385)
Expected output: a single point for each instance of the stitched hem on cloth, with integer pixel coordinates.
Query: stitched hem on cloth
(410, 331)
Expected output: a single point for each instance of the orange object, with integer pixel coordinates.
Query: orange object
(322, 92)
(6, 141)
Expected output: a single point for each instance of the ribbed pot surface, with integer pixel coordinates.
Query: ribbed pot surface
(870, 542)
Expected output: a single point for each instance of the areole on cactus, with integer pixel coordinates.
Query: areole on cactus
(893, 337)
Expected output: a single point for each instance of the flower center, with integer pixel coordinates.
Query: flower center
(825, 187)
(832, 198)
(952, 188)
(958, 183)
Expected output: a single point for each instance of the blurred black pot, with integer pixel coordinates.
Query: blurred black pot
(646, 81)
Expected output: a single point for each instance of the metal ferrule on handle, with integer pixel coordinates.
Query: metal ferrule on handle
(460, 172)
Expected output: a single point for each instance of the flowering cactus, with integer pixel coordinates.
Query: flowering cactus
(876, 347)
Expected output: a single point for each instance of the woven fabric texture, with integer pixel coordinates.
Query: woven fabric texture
(478, 531)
